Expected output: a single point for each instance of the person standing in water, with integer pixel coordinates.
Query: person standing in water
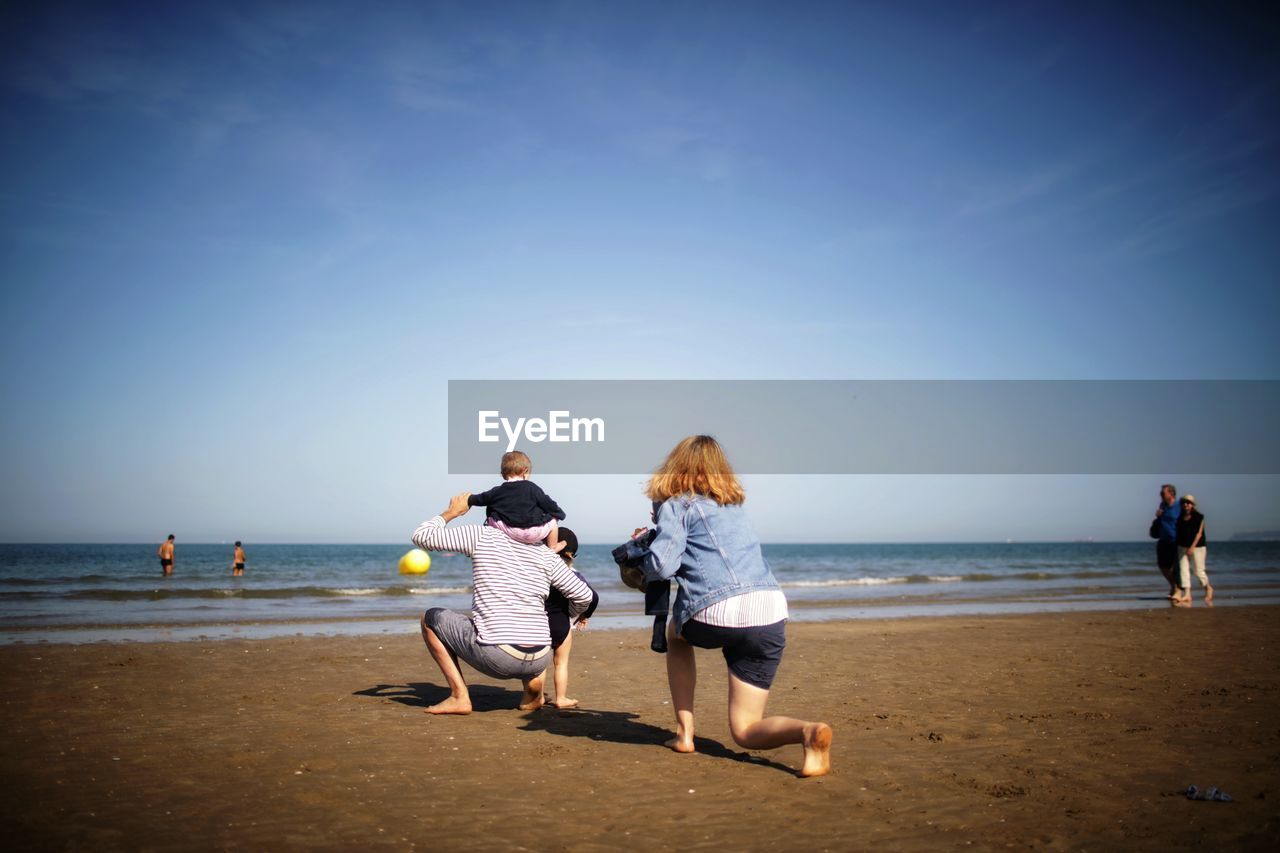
(237, 561)
(165, 552)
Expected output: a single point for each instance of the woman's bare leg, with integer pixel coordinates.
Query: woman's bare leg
(682, 677)
(753, 730)
(459, 701)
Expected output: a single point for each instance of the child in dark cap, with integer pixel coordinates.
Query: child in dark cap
(558, 622)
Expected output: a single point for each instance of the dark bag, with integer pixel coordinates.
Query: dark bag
(657, 595)
(1154, 532)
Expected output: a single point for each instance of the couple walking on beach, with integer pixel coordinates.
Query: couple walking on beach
(727, 599)
(1182, 545)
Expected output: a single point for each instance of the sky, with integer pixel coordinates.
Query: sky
(245, 245)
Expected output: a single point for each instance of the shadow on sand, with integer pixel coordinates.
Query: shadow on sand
(609, 726)
(484, 697)
(622, 727)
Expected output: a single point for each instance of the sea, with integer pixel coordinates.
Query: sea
(117, 593)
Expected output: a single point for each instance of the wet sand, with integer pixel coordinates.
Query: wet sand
(1052, 730)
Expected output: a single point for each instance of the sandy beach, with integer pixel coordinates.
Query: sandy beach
(1045, 731)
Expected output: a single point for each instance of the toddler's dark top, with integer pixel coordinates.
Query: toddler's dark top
(1189, 527)
(518, 503)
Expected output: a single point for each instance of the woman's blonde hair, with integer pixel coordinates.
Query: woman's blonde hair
(697, 465)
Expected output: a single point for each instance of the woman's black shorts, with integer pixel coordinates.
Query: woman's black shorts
(753, 654)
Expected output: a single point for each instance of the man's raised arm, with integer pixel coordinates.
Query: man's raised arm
(433, 535)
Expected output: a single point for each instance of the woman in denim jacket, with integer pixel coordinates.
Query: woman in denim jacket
(727, 599)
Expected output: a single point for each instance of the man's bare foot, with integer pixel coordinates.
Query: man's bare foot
(564, 703)
(1182, 602)
(452, 705)
(817, 750)
(558, 547)
(680, 744)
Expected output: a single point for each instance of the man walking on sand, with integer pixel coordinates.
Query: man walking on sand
(1166, 521)
(166, 556)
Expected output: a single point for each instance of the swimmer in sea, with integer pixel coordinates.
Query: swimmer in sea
(237, 561)
(165, 553)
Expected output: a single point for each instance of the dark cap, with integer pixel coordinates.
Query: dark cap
(570, 540)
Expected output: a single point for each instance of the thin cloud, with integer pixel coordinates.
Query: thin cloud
(1170, 228)
(1025, 188)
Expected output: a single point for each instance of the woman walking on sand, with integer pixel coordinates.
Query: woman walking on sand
(727, 599)
(1193, 547)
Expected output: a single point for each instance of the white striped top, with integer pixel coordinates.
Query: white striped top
(749, 610)
(510, 581)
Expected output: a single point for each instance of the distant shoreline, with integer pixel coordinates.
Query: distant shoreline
(606, 619)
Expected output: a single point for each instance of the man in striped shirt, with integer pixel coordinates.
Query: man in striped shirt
(507, 635)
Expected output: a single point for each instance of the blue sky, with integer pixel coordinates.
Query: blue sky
(245, 245)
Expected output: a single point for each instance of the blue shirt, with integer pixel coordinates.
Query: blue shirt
(1169, 523)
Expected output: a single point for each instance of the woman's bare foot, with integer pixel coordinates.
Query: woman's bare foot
(817, 750)
(1208, 595)
(1182, 602)
(564, 703)
(680, 744)
(452, 705)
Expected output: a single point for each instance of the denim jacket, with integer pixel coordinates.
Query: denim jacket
(709, 549)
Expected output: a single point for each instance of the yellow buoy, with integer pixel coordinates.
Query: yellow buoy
(416, 562)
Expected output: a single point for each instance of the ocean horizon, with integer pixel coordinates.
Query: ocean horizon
(94, 592)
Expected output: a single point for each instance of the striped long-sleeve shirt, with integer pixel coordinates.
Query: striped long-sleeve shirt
(510, 581)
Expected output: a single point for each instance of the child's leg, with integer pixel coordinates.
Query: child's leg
(553, 538)
(560, 673)
(527, 535)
